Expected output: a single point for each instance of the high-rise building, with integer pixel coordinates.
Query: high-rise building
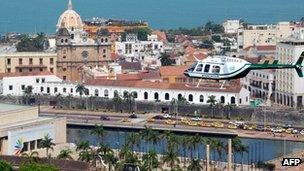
(75, 49)
(289, 86)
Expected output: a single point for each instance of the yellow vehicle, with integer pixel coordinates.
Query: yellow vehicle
(248, 127)
(170, 122)
(289, 131)
(185, 120)
(205, 124)
(218, 124)
(125, 120)
(150, 120)
(268, 128)
(232, 126)
(192, 123)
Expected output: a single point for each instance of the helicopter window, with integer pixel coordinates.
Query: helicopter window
(192, 67)
(216, 69)
(199, 68)
(207, 67)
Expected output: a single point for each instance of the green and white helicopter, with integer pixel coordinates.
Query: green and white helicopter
(228, 68)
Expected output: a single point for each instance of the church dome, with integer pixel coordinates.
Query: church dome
(70, 19)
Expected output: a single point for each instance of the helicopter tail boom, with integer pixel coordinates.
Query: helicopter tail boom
(298, 65)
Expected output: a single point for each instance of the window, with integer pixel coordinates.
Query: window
(101, 40)
(40, 69)
(20, 69)
(20, 61)
(8, 61)
(64, 57)
(106, 93)
(179, 97)
(41, 89)
(96, 92)
(156, 96)
(55, 90)
(31, 69)
(104, 50)
(64, 90)
(64, 78)
(25, 147)
(10, 87)
(240, 101)
(22, 87)
(40, 61)
(222, 99)
(51, 61)
(37, 80)
(43, 80)
(66, 40)
(64, 69)
(201, 98)
(39, 145)
(216, 69)
(48, 90)
(32, 145)
(207, 67)
(125, 94)
(104, 56)
(62, 41)
(8, 70)
(145, 95)
(199, 68)
(106, 39)
(31, 61)
(52, 70)
(135, 95)
(190, 98)
(232, 100)
(71, 90)
(167, 96)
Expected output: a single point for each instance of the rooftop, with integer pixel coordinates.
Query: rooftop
(24, 74)
(10, 107)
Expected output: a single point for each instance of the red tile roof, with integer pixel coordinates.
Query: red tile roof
(173, 70)
(261, 48)
(160, 85)
(23, 74)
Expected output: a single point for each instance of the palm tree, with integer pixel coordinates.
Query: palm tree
(31, 157)
(171, 157)
(81, 89)
(47, 143)
(150, 160)
(145, 135)
(228, 109)
(116, 100)
(124, 152)
(99, 132)
(185, 143)
(195, 141)
(218, 146)
(239, 147)
(82, 145)
(165, 59)
(133, 140)
(110, 159)
(195, 165)
(130, 99)
(65, 154)
(85, 156)
(211, 100)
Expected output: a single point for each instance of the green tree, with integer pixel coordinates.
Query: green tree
(150, 161)
(110, 159)
(117, 100)
(27, 94)
(171, 157)
(133, 140)
(86, 156)
(212, 101)
(99, 132)
(47, 143)
(5, 166)
(35, 44)
(37, 167)
(239, 147)
(130, 99)
(104, 149)
(213, 28)
(30, 157)
(65, 154)
(142, 33)
(195, 165)
(165, 59)
(82, 145)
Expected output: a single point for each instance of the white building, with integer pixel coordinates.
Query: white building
(146, 91)
(231, 26)
(289, 86)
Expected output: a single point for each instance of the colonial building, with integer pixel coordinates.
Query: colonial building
(75, 49)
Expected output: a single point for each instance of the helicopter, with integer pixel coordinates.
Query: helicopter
(228, 68)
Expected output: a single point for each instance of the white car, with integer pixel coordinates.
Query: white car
(167, 116)
(302, 132)
(196, 119)
(295, 131)
(276, 130)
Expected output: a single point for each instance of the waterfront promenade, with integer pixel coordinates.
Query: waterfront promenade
(90, 118)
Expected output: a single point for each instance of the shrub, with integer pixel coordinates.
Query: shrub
(37, 167)
(5, 166)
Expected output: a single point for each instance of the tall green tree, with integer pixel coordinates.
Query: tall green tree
(195, 165)
(65, 154)
(212, 101)
(32, 44)
(150, 161)
(82, 145)
(117, 100)
(110, 159)
(165, 59)
(142, 33)
(133, 140)
(171, 158)
(47, 143)
(99, 132)
(130, 97)
(86, 156)
(27, 94)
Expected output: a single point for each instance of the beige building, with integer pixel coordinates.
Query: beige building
(263, 35)
(289, 86)
(75, 48)
(24, 62)
(21, 129)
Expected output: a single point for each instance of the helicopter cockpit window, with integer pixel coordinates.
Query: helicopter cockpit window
(207, 67)
(199, 68)
(192, 67)
(216, 69)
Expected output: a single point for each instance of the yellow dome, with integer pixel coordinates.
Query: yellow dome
(70, 19)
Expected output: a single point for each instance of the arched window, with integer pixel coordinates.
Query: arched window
(201, 98)
(190, 98)
(222, 99)
(156, 96)
(106, 93)
(101, 40)
(96, 92)
(232, 100)
(125, 94)
(66, 40)
(167, 96)
(135, 95)
(62, 40)
(106, 39)
(180, 96)
(145, 95)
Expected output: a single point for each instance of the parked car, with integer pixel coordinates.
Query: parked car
(294, 131)
(104, 118)
(260, 128)
(286, 126)
(133, 116)
(167, 116)
(302, 132)
(196, 119)
(276, 130)
(160, 117)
